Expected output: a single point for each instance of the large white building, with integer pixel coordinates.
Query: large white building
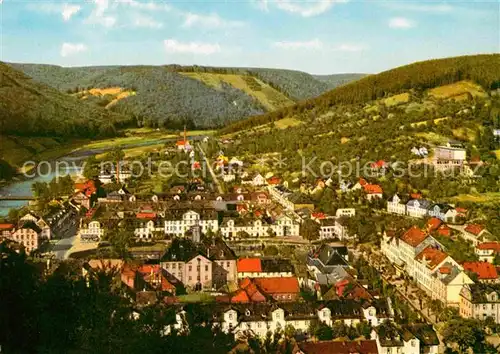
(90, 230)
(395, 206)
(282, 226)
(260, 318)
(446, 157)
(178, 224)
(333, 228)
(423, 259)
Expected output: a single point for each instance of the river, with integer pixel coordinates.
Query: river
(69, 164)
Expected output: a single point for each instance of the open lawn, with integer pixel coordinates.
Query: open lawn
(457, 89)
(483, 198)
(497, 153)
(196, 297)
(397, 99)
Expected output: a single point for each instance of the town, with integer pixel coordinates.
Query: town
(257, 252)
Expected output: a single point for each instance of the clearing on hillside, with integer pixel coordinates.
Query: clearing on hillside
(458, 90)
(116, 94)
(397, 99)
(268, 97)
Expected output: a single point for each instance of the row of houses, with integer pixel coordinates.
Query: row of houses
(149, 224)
(420, 208)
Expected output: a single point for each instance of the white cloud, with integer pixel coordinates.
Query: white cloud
(153, 6)
(68, 49)
(306, 8)
(350, 47)
(211, 21)
(69, 10)
(312, 44)
(99, 16)
(146, 21)
(429, 8)
(65, 10)
(173, 46)
(401, 23)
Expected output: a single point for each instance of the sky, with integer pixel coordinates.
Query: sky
(319, 37)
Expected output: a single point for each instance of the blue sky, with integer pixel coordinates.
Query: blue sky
(320, 37)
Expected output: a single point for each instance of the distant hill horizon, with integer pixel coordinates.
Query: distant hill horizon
(172, 95)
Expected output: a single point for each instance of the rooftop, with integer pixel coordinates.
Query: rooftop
(339, 347)
(484, 270)
(432, 255)
(414, 236)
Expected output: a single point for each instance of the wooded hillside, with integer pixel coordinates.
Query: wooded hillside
(482, 69)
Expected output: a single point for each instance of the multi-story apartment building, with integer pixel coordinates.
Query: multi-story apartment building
(90, 230)
(177, 223)
(46, 232)
(264, 268)
(201, 266)
(487, 251)
(395, 206)
(446, 157)
(28, 235)
(480, 301)
(417, 208)
(282, 226)
(333, 228)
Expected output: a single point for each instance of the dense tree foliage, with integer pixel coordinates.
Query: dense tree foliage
(482, 69)
(337, 80)
(33, 109)
(168, 99)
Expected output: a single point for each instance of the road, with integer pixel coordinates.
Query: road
(67, 239)
(210, 169)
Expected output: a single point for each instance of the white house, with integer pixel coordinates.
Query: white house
(417, 208)
(282, 226)
(258, 180)
(348, 212)
(91, 231)
(46, 232)
(147, 229)
(487, 251)
(178, 225)
(395, 206)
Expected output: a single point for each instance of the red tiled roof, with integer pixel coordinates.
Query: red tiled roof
(414, 236)
(245, 282)
(373, 189)
(461, 210)
(444, 230)
(362, 181)
(378, 164)
(318, 215)
(249, 265)
(181, 143)
(416, 196)
(278, 285)
(339, 347)
(433, 224)
(196, 165)
(240, 296)
(495, 246)
(145, 215)
(6, 226)
(474, 229)
(433, 256)
(484, 270)
(274, 180)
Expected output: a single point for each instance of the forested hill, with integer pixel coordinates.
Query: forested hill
(481, 69)
(29, 108)
(336, 80)
(170, 96)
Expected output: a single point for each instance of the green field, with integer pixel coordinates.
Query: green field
(483, 198)
(262, 92)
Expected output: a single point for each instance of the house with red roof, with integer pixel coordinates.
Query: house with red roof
(475, 233)
(486, 272)
(274, 181)
(378, 165)
(373, 191)
(6, 230)
(279, 288)
(444, 230)
(487, 251)
(264, 268)
(433, 224)
(148, 277)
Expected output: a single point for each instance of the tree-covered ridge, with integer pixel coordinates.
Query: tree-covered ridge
(28, 108)
(481, 69)
(164, 97)
(337, 80)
